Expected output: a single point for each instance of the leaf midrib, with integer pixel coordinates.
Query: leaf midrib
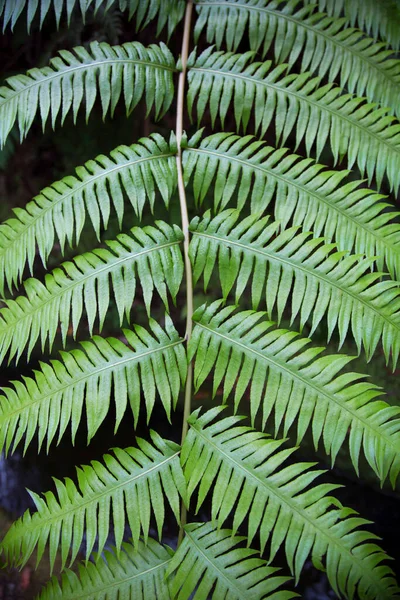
(302, 187)
(309, 272)
(68, 70)
(304, 97)
(94, 273)
(319, 389)
(328, 39)
(274, 490)
(74, 381)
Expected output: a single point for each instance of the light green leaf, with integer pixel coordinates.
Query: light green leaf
(128, 485)
(150, 255)
(134, 573)
(59, 211)
(247, 475)
(212, 563)
(292, 269)
(288, 376)
(363, 132)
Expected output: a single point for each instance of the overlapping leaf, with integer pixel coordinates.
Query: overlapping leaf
(319, 280)
(150, 255)
(77, 77)
(284, 374)
(315, 113)
(135, 573)
(379, 19)
(152, 363)
(127, 486)
(304, 192)
(247, 474)
(212, 563)
(59, 211)
(322, 43)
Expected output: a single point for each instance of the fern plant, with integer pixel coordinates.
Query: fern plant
(283, 246)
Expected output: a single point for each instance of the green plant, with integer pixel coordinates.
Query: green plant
(332, 281)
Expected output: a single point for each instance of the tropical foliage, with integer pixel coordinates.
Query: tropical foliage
(272, 252)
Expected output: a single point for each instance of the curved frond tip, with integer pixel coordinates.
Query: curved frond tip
(215, 564)
(288, 377)
(247, 474)
(127, 486)
(135, 572)
(302, 193)
(293, 269)
(150, 255)
(363, 132)
(77, 77)
(59, 211)
(151, 363)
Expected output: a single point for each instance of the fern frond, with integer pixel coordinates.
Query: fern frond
(153, 362)
(150, 255)
(135, 573)
(286, 375)
(320, 279)
(59, 211)
(366, 134)
(214, 561)
(379, 19)
(304, 193)
(131, 482)
(77, 77)
(243, 468)
(364, 66)
(168, 12)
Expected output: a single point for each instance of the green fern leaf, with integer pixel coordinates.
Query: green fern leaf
(304, 194)
(363, 132)
(323, 44)
(151, 255)
(78, 76)
(59, 211)
(243, 468)
(136, 573)
(132, 481)
(323, 281)
(284, 374)
(11, 10)
(102, 369)
(168, 12)
(211, 561)
(379, 19)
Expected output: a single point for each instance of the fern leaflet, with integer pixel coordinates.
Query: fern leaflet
(210, 561)
(75, 77)
(151, 255)
(131, 483)
(243, 468)
(304, 193)
(90, 376)
(59, 211)
(364, 67)
(136, 573)
(362, 131)
(289, 377)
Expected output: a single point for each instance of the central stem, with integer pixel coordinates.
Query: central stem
(185, 229)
